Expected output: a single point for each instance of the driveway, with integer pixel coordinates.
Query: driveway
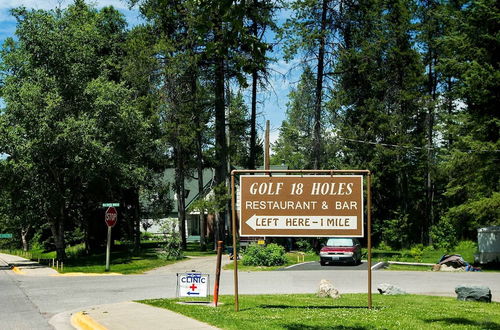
(315, 265)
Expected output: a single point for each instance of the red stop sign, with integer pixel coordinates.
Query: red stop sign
(111, 216)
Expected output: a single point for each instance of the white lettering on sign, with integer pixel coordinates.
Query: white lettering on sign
(332, 189)
(281, 205)
(192, 285)
(305, 222)
(301, 205)
(266, 188)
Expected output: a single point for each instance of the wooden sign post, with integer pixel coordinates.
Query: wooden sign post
(317, 203)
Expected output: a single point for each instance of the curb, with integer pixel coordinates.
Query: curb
(82, 321)
(378, 265)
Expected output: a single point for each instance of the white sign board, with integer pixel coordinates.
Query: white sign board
(192, 285)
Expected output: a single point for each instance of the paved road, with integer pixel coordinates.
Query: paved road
(17, 311)
(315, 265)
(28, 302)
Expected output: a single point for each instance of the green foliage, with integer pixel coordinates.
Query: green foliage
(444, 235)
(416, 252)
(213, 203)
(171, 249)
(304, 245)
(395, 232)
(270, 255)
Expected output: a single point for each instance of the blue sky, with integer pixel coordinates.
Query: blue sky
(272, 103)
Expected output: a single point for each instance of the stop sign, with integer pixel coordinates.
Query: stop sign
(111, 216)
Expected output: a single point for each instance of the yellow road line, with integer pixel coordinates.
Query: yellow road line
(86, 274)
(18, 271)
(82, 321)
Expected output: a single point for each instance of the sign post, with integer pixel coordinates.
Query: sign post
(317, 203)
(110, 217)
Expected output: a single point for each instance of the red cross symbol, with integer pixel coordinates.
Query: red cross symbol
(192, 287)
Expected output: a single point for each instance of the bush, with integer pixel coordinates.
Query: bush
(417, 252)
(304, 245)
(444, 235)
(270, 255)
(395, 231)
(171, 249)
(384, 246)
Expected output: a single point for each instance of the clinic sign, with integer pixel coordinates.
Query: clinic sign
(192, 285)
(301, 205)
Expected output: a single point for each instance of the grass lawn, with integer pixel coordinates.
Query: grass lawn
(123, 262)
(193, 250)
(292, 258)
(306, 311)
(122, 259)
(409, 267)
(424, 254)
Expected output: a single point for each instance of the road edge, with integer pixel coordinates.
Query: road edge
(82, 321)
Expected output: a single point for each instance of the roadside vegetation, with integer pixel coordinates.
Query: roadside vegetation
(424, 254)
(124, 259)
(307, 311)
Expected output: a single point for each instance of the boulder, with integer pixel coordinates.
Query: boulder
(390, 289)
(473, 293)
(326, 289)
(446, 268)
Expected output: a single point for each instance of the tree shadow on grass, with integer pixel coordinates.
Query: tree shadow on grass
(463, 321)
(299, 326)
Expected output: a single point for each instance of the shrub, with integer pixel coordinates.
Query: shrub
(171, 249)
(417, 251)
(444, 235)
(395, 231)
(270, 255)
(384, 246)
(304, 245)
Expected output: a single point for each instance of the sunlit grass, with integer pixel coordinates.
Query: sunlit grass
(306, 311)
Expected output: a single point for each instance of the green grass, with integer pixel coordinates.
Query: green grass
(291, 260)
(123, 262)
(409, 267)
(122, 259)
(424, 254)
(306, 311)
(193, 250)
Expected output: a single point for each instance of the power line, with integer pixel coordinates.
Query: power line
(409, 147)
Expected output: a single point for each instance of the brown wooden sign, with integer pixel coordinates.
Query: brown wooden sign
(302, 206)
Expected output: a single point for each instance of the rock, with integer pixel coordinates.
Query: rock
(390, 289)
(326, 289)
(436, 268)
(446, 268)
(473, 293)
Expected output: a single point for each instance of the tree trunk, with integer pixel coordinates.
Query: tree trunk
(201, 185)
(180, 191)
(24, 235)
(253, 114)
(57, 228)
(319, 90)
(220, 129)
(429, 201)
(137, 220)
